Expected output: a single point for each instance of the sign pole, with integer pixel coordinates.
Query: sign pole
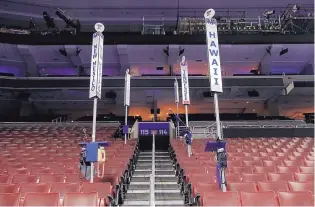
(214, 63)
(127, 99)
(185, 94)
(215, 79)
(96, 78)
(177, 102)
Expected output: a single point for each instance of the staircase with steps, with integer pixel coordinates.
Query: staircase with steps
(167, 191)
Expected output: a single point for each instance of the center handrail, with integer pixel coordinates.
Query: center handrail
(152, 175)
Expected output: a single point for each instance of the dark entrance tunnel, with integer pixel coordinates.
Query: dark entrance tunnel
(161, 143)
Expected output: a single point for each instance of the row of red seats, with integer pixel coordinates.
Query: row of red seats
(192, 171)
(249, 169)
(50, 199)
(258, 199)
(50, 159)
(104, 190)
(43, 178)
(252, 177)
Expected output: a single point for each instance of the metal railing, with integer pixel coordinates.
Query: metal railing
(56, 120)
(152, 175)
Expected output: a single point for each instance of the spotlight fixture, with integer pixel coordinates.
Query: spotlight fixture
(32, 24)
(296, 8)
(68, 20)
(49, 20)
(268, 49)
(166, 51)
(284, 51)
(181, 51)
(268, 13)
(78, 51)
(63, 52)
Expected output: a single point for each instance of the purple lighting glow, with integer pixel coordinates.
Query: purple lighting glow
(17, 72)
(106, 71)
(285, 70)
(58, 72)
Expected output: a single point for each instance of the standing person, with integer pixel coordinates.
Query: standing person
(85, 167)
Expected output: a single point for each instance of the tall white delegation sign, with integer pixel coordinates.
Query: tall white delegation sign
(185, 81)
(176, 91)
(97, 62)
(96, 78)
(213, 52)
(127, 89)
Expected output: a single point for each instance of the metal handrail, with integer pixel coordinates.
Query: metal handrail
(243, 126)
(278, 126)
(152, 175)
(305, 126)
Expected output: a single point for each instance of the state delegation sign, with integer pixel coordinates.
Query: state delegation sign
(213, 56)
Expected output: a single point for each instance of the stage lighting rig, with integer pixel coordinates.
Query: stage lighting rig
(268, 13)
(68, 20)
(296, 8)
(32, 24)
(49, 20)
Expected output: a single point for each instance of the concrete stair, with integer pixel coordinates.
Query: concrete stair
(167, 191)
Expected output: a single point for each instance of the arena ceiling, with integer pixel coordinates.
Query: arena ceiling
(34, 61)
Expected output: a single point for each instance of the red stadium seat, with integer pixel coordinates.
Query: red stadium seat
(246, 169)
(201, 188)
(252, 163)
(41, 199)
(235, 163)
(266, 169)
(9, 199)
(290, 163)
(291, 169)
(103, 190)
(51, 178)
(273, 186)
(233, 177)
(33, 188)
(9, 188)
(280, 176)
(24, 179)
(297, 186)
(238, 187)
(74, 178)
(296, 198)
(80, 199)
(221, 199)
(272, 163)
(19, 171)
(4, 179)
(304, 177)
(63, 188)
(254, 177)
(268, 198)
(308, 163)
(41, 170)
(306, 169)
(195, 178)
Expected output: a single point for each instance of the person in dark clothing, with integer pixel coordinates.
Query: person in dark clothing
(85, 167)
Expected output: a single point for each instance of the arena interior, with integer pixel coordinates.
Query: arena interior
(250, 144)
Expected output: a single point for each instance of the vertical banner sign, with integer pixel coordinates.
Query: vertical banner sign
(185, 83)
(96, 66)
(176, 91)
(127, 89)
(213, 52)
